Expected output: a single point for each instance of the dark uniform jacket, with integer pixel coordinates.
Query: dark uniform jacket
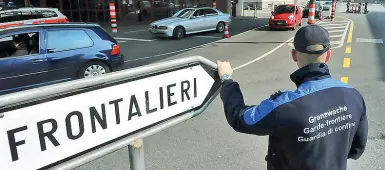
(316, 127)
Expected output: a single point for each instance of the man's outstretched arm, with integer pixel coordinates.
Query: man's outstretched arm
(255, 119)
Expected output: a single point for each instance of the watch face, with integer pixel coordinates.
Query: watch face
(225, 77)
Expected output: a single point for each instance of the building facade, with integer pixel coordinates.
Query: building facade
(127, 10)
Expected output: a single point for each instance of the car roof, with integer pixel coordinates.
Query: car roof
(54, 25)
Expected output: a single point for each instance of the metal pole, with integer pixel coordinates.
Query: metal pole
(333, 10)
(136, 155)
(255, 11)
(114, 26)
(311, 19)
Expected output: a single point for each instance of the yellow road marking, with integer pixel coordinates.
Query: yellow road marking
(348, 49)
(350, 35)
(344, 80)
(346, 63)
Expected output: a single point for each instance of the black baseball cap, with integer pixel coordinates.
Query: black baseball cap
(311, 35)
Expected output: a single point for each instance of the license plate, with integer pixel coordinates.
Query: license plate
(279, 23)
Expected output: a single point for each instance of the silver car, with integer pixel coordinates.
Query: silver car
(189, 21)
(327, 9)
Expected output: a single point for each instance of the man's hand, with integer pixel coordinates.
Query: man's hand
(224, 68)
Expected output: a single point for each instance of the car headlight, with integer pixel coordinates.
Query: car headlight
(162, 27)
(272, 17)
(291, 17)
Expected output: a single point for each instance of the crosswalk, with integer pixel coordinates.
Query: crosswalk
(337, 31)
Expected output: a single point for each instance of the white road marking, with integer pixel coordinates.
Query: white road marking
(121, 41)
(264, 55)
(127, 32)
(337, 31)
(338, 35)
(365, 40)
(202, 36)
(334, 27)
(331, 24)
(291, 44)
(344, 34)
(134, 39)
(334, 22)
(335, 42)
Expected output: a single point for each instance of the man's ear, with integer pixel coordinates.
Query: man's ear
(328, 54)
(294, 55)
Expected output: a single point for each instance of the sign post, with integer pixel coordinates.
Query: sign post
(65, 125)
(136, 155)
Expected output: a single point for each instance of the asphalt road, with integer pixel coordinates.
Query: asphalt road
(140, 47)
(262, 66)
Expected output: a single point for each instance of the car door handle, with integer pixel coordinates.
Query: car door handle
(37, 60)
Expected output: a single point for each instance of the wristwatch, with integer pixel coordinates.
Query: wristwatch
(225, 77)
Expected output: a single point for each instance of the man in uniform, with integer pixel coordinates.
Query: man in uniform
(318, 126)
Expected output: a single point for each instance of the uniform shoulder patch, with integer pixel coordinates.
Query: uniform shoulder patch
(275, 95)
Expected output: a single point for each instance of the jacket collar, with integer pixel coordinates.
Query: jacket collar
(316, 71)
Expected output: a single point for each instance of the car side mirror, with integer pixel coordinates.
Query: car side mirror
(272, 12)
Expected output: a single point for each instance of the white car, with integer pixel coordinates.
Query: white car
(189, 21)
(327, 9)
(23, 16)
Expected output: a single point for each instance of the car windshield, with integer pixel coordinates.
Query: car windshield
(284, 9)
(184, 13)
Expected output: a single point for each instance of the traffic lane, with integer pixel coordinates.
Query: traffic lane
(244, 47)
(142, 53)
(138, 53)
(241, 50)
(376, 23)
(366, 74)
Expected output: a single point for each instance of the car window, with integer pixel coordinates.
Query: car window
(18, 45)
(186, 13)
(211, 12)
(62, 40)
(199, 13)
(284, 9)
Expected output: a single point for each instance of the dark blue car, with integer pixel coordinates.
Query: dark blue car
(37, 55)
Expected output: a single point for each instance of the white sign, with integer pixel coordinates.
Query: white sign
(36, 136)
